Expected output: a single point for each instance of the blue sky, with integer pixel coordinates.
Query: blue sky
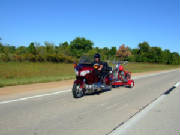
(105, 22)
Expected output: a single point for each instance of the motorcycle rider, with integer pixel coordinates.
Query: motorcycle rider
(102, 68)
(97, 60)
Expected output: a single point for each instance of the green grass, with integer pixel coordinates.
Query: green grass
(15, 73)
(145, 67)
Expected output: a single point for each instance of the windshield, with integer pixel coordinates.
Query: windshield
(85, 60)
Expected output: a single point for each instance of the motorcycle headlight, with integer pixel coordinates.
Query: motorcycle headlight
(83, 73)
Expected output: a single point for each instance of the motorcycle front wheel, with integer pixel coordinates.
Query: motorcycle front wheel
(77, 91)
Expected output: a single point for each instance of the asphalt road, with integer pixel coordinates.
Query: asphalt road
(61, 114)
(161, 117)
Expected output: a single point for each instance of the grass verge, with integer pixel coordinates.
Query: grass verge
(146, 67)
(15, 73)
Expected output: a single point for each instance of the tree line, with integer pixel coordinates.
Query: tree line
(68, 52)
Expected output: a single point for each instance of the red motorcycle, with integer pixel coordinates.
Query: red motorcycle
(122, 77)
(87, 79)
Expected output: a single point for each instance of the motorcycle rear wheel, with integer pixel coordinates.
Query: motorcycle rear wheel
(77, 92)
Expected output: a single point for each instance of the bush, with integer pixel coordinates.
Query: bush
(4, 57)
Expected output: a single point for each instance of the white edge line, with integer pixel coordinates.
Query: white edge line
(36, 96)
(59, 92)
(177, 84)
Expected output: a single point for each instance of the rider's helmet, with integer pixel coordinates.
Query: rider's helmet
(120, 68)
(97, 55)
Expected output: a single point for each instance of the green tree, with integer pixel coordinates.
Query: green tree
(1, 47)
(64, 45)
(79, 46)
(105, 53)
(64, 49)
(166, 56)
(175, 58)
(112, 51)
(31, 48)
(135, 55)
(144, 49)
(50, 47)
(155, 55)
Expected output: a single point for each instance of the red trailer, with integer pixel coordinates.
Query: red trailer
(121, 77)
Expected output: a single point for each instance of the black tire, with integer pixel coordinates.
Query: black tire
(76, 92)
